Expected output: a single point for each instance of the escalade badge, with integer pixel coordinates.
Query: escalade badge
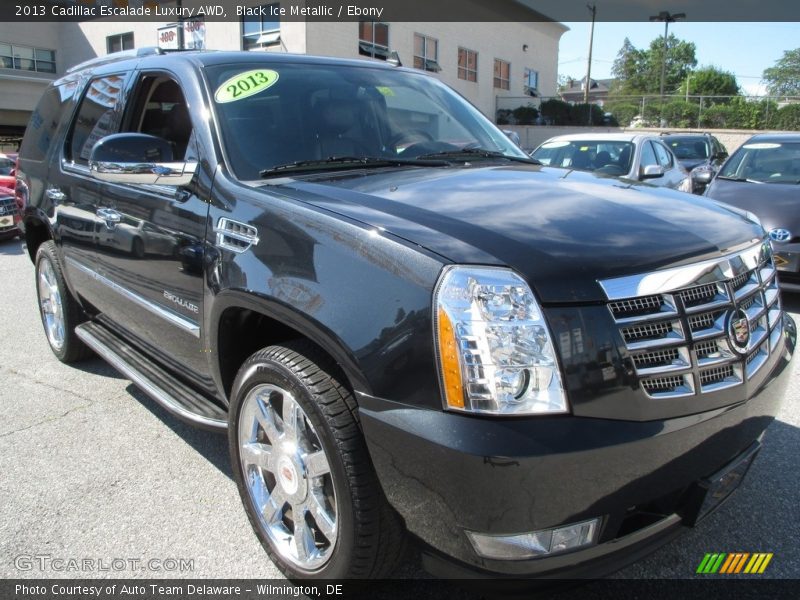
(739, 330)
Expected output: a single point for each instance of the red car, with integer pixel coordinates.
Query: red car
(9, 214)
(8, 166)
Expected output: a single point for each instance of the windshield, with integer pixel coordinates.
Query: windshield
(765, 162)
(601, 156)
(279, 114)
(688, 148)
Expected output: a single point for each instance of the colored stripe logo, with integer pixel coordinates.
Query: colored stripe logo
(724, 563)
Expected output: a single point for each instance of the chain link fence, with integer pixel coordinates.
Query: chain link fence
(674, 111)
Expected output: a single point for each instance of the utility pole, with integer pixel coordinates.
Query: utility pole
(587, 84)
(181, 45)
(667, 19)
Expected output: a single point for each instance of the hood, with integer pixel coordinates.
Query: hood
(775, 204)
(562, 230)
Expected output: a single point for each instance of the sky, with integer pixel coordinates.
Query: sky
(744, 49)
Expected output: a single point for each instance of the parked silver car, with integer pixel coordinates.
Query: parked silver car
(632, 156)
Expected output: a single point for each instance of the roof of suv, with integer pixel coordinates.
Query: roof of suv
(602, 137)
(774, 137)
(154, 56)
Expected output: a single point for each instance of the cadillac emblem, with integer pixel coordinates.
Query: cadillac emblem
(739, 330)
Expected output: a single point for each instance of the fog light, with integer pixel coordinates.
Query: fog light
(537, 543)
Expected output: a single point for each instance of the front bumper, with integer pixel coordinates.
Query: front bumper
(449, 473)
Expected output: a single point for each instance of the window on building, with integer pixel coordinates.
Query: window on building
(117, 43)
(531, 80)
(373, 39)
(467, 64)
(426, 53)
(262, 30)
(502, 74)
(26, 58)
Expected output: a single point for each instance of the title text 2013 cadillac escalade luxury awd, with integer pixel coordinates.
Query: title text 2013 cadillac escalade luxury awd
(404, 323)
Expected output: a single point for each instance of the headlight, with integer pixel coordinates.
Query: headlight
(494, 349)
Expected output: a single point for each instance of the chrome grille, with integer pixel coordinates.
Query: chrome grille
(639, 332)
(657, 358)
(703, 321)
(675, 323)
(706, 349)
(636, 306)
(700, 294)
(654, 385)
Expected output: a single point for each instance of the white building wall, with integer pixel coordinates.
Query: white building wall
(490, 40)
(77, 42)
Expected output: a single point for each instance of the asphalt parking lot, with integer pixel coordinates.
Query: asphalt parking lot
(93, 469)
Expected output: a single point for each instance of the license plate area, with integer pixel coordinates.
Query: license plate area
(710, 493)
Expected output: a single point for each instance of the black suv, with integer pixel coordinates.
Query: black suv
(701, 154)
(403, 322)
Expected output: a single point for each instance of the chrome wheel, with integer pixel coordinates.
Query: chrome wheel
(287, 477)
(51, 305)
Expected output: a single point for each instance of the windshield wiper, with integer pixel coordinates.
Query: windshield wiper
(472, 153)
(742, 179)
(348, 162)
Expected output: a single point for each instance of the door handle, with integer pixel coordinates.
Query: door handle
(56, 195)
(110, 216)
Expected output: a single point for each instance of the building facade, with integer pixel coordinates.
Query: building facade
(485, 61)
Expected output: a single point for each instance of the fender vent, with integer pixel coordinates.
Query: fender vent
(235, 236)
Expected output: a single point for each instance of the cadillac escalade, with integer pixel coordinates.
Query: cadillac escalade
(406, 326)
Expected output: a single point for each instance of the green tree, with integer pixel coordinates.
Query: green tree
(680, 61)
(627, 70)
(711, 81)
(639, 71)
(784, 78)
(787, 118)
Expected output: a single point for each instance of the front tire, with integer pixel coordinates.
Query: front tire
(59, 311)
(303, 471)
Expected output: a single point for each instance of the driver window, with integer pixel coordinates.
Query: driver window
(160, 109)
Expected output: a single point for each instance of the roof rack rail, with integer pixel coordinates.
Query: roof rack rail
(685, 132)
(114, 56)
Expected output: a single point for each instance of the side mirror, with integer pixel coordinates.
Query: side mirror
(138, 158)
(702, 176)
(652, 172)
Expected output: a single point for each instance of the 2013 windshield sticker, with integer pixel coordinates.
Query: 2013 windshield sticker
(245, 85)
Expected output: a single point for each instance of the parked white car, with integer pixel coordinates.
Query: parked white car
(632, 156)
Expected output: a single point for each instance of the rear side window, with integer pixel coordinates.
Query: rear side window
(44, 121)
(648, 156)
(96, 117)
(664, 157)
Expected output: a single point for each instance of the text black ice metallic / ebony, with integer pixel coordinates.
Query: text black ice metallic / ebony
(404, 323)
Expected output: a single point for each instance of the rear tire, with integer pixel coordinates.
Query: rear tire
(296, 449)
(59, 311)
